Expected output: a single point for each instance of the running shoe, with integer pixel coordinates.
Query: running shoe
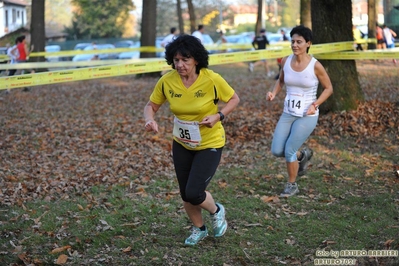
(196, 236)
(290, 189)
(307, 154)
(219, 222)
(251, 67)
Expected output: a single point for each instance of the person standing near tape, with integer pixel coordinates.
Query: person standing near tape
(389, 36)
(193, 92)
(12, 52)
(357, 36)
(259, 43)
(380, 37)
(199, 33)
(21, 49)
(95, 56)
(168, 39)
(301, 74)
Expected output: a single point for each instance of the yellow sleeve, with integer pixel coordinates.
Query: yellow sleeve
(158, 94)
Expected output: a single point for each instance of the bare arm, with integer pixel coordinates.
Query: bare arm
(149, 111)
(27, 51)
(279, 83)
(325, 82)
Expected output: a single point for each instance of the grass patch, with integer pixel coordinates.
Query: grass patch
(147, 225)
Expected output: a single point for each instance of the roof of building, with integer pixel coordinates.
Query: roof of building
(15, 2)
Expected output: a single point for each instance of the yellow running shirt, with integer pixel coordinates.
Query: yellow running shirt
(195, 103)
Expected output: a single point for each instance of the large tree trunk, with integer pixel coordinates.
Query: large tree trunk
(305, 16)
(332, 22)
(259, 17)
(191, 13)
(148, 26)
(180, 17)
(148, 29)
(37, 31)
(372, 20)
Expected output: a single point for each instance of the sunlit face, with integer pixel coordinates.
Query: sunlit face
(185, 66)
(299, 44)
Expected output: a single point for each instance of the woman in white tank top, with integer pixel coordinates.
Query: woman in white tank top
(301, 74)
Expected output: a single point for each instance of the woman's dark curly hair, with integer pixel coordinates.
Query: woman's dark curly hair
(303, 31)
(187, 46)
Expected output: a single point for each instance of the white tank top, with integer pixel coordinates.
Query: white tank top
(388, 36)
(301, 88)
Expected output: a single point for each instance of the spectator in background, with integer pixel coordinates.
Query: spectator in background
(259, 43)
(222, 38)
(8, 47)
(198, 33)
(379, 34)
(170, 37)
(23, 53)
(389, 36)
(283, 36)
(12, 52)
(95, 56)
(357, 37)
(23, 50)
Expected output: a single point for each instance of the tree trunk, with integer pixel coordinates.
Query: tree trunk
(387, 5)
(148, 30)
(372, 20)
(305, 16)
(37, 31)
(191, 13)
(332, 22)
(180, 17)
(148, 26)
(259, 17)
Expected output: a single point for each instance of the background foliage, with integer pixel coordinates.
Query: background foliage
(99, 19)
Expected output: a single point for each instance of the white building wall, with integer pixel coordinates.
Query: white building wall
(12, 17)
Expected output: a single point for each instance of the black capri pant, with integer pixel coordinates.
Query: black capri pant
(194, 171)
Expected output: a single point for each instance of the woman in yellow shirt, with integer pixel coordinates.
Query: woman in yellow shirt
(193, 92)
(357, 36)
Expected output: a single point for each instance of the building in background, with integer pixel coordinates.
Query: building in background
(13, 16)
(360, 15)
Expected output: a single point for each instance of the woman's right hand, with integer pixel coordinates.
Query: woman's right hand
(151, 125)
(270, 96)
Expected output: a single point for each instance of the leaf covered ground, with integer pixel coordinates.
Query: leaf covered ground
(59, 141)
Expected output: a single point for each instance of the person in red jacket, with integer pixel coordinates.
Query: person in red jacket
(21, 49)
(380, 37)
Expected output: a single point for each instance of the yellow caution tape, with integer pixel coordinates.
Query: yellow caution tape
(369, 54)
(113, 68)
(97, 51)
(82, 74)
(70, 64)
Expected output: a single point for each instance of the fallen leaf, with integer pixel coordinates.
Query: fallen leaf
(59, 249)
(62, 259)
(128, 249)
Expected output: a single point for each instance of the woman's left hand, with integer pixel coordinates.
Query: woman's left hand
(210, 120)
(311, 110)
